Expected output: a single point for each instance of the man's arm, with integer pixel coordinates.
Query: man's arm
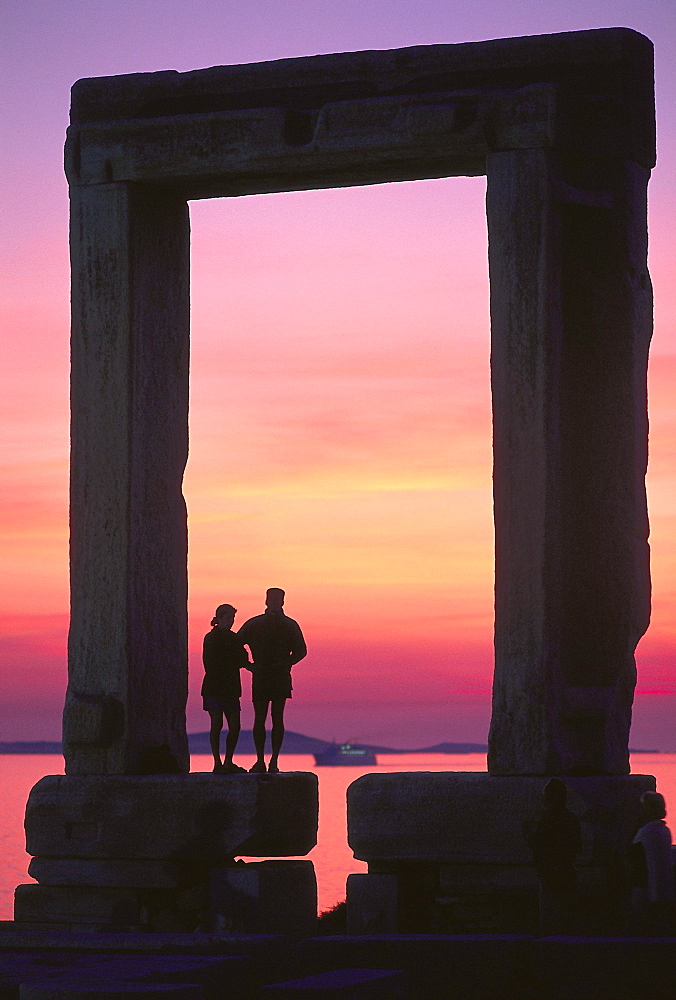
(240, 652)
(244, 636)
(298, 647)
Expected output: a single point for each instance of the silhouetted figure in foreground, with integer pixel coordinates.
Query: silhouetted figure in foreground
(223, 656)
(652, 878)
(555, 840)
(276, 643)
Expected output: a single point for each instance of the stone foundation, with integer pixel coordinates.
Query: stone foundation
(447, 851)
(264, 897)
(170, 816)
(157, 853)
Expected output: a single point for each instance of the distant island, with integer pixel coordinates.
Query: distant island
(294, 743)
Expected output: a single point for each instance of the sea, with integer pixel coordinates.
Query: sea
(332, 857)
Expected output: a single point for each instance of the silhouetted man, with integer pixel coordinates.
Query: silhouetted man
(276, 643)
(555, 841)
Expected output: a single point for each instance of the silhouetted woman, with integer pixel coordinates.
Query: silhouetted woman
(223, 657)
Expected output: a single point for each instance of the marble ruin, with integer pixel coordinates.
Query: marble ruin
(563, 128)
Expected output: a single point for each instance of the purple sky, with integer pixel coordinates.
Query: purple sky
(46, 47)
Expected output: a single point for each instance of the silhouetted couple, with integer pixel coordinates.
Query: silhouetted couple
(276, 644)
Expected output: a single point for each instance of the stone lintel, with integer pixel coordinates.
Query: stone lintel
(476, 818)
(345, 142)
(610, 62)
(194, 816)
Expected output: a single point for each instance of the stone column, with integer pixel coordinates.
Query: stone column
(571, 319)
(127, 684)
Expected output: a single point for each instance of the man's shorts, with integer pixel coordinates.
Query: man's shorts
(270, 686)
(211, 704)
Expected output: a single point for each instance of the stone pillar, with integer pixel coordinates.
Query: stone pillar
(127, 687)
(571, 319)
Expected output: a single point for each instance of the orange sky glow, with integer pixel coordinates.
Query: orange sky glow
(340, 420)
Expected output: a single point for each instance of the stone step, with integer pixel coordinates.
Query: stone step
(217, 976)
(587, 968)
(239, 962)
(439, 966)
(341, 984)
(87, 989)
(14, 939)
(271, 897)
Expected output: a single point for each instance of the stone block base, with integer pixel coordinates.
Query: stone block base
(268, 897)
(473, 817)
(373, 904)
(139, 874)
(105, 908)
(454, 850)
(264, 897)
(156, 853)
(172, 816)
(439, 967)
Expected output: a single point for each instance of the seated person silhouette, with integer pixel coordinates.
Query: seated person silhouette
(223, 656)
(276, 643)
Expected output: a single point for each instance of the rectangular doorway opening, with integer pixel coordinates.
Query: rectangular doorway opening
(340, 448)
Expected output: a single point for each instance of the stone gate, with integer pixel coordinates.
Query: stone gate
(563, 127)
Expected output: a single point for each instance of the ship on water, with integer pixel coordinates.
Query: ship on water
(342, 754)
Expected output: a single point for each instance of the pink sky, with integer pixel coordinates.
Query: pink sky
(340, 413)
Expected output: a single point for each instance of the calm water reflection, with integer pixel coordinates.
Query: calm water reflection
(332, 857)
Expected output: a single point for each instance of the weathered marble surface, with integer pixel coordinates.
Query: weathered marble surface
(373, 903)
(128, 681)
(193, 816)
(469, 818)
(571, 322)
(143, 873)
(264, 897)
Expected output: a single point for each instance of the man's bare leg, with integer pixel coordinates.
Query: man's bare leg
(260, 715)
(215, 738)
(277, 713)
